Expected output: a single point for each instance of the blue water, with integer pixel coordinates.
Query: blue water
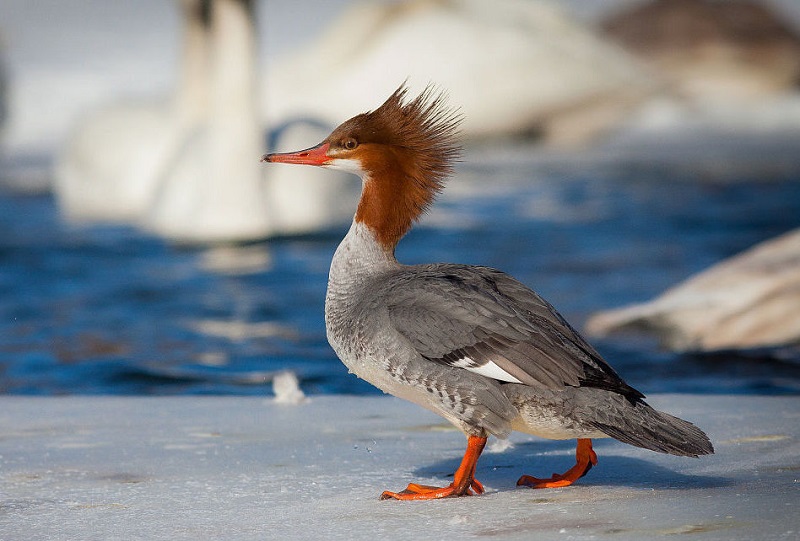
(111, 310)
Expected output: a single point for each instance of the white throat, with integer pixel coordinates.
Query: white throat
(349, 166)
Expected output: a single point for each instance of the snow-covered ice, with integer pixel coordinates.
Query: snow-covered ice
(247, 468)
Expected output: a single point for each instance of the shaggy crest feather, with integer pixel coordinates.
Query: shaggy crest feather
(418, 147)
(425, 127)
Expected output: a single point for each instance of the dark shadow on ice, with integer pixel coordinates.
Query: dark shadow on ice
(501, 470)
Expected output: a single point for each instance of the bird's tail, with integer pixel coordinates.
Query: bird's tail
(645, 427)
(586, 412)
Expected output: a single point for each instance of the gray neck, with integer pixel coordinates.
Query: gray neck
(359, 257)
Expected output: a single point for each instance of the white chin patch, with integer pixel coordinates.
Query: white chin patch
(350, 166)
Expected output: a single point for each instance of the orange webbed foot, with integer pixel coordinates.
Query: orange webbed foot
(464, 482)
(585, 458)
(426, 492)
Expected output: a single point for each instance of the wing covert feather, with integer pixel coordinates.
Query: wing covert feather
(475, 317)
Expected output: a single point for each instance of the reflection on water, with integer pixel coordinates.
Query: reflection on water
(111, 310)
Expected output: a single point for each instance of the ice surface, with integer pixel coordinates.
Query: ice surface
(245, 468)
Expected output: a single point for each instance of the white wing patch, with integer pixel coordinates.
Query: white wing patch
(489, 370)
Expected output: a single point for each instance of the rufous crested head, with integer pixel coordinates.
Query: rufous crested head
(403, 150)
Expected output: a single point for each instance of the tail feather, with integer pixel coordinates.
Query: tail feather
(658, 431)
(588, 412)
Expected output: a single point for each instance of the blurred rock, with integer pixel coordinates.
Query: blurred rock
(750, 300)
(734, 48)
(513, 66)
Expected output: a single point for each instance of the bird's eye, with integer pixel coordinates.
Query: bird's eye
(349, 143)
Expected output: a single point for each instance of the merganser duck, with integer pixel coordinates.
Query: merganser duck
(469, 343)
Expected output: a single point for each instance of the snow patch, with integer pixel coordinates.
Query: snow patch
(498, 446)
(287, 390)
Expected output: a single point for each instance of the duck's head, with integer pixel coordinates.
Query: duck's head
(403, 151)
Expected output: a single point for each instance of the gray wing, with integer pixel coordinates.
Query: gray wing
(482, 320)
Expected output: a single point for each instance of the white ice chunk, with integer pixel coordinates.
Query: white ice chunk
(287, 390)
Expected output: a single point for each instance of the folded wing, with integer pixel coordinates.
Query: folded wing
(482, 320)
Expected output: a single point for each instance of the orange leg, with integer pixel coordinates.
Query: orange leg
(585, 458)
(464, 482)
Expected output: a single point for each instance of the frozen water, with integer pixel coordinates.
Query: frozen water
(246, 468)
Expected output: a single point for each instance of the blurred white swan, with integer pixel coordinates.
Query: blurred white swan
(512, 66)
(188, 168)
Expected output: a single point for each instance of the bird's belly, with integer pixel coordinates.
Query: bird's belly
(374, 367)
(549, 425)
(548, 414)
(373, 372)
(371, 367)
